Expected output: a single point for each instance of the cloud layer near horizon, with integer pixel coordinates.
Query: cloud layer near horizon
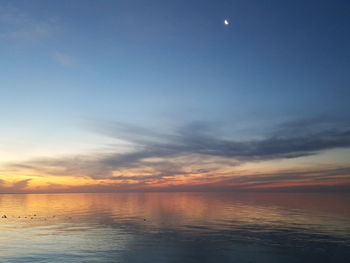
(197, 156)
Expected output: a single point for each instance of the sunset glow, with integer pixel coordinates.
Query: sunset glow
(116, 98)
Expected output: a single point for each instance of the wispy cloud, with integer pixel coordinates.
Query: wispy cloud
(199, 152)
(17, 25)
(326, 180)
(286, 179)
(64, 59)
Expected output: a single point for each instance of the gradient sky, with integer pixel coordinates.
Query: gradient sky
(161, 95)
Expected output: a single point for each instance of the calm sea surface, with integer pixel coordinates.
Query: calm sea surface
(175, 227)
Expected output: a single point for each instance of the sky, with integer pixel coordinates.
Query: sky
(110, 96)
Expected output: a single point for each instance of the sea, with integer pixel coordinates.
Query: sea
(175, 227)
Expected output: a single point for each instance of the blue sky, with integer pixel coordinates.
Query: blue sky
(69, 67)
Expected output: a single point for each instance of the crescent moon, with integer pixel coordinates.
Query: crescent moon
(226, 22)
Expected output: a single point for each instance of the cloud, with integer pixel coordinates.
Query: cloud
(17, 25)
(199, 149)
(326, 180)
(63, 59)
(20, 184)
(202, 139)
(280, 177)
(13, 187)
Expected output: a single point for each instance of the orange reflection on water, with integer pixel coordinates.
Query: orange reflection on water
(171, 208)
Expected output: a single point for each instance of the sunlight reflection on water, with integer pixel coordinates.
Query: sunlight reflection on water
(175, 227)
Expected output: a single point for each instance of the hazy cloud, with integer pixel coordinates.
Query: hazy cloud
(63, 59)
(13, 187)
(17, 25)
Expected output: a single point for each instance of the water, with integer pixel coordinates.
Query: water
(175, 227)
